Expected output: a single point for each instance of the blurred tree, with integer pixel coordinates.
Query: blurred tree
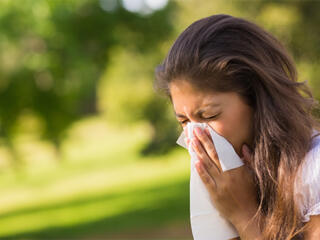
(54, 55)
(54, 52)
(126, 97)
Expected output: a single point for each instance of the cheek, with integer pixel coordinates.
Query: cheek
(225, 129)
(226, 125)
(234, 128)
(220, 127)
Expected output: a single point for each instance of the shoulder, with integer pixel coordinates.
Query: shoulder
(313, 228)
(311, 166)
(308, 181)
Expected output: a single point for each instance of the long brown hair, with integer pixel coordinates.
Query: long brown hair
(225, 53)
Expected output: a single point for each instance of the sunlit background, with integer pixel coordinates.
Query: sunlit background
(87, 148)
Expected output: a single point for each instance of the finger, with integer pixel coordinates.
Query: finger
(247, 153)
(209, 147)
(207, 132)
(209, 181)
(204, 158)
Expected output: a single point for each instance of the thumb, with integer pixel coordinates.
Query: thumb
(247, 153)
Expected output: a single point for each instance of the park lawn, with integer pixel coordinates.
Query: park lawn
(111, 189)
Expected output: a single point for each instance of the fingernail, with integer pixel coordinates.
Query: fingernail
(246, 148)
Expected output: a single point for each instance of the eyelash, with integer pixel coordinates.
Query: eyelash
(203, 118)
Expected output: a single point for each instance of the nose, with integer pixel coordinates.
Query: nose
(190, 120)
(191, 117)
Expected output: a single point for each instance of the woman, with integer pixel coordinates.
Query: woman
(239, 79)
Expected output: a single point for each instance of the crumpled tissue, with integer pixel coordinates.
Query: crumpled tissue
(206, 222)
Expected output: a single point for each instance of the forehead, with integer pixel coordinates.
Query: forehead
(184, 94)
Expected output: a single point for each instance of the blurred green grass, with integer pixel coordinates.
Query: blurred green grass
(101, 187)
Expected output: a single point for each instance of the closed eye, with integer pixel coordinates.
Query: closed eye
(208, 118)
(212, 117)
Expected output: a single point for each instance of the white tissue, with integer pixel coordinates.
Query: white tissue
(206, 222)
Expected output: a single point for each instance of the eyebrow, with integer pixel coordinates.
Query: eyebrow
(199, 112)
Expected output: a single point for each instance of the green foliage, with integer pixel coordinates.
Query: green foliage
(54, 52)
(126, 96)
(126, 87)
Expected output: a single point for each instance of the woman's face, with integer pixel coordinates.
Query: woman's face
(226, 113)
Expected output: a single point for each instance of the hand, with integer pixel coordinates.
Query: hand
(232, 192)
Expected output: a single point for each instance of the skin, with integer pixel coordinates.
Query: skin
(234, 121)
(313, 228)
(232, 118)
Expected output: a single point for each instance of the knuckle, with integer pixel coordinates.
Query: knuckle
(212, 151)
(207, 179)
(214, 183)
(209, 165)
(200, 157)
